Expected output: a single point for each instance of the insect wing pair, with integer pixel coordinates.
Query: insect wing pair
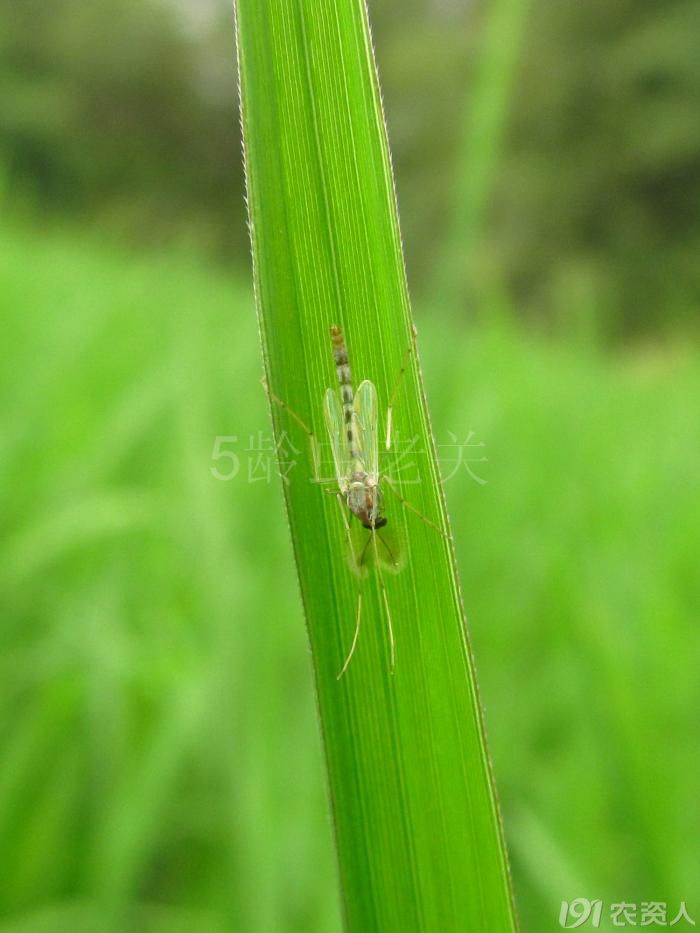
(352, 422)
(364, 458)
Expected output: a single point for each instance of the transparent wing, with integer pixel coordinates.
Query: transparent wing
(337, 433)
(366, 412)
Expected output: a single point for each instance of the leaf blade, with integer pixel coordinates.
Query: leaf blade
(417, 827)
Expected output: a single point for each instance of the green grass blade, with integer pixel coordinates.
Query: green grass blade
(485, 122)
(417, 828)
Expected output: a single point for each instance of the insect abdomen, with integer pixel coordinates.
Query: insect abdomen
(342, 368)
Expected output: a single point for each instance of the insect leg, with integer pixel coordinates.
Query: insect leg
(395, 391)
(355, 636)
(413, 509)
(359, 592)
(346, 523)
(313, 444)
(386, 600)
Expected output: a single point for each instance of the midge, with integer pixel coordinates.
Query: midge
(352, 422)
(352, 425)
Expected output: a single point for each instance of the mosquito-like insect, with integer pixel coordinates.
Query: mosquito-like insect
(352, 422)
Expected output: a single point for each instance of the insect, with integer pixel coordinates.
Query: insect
(352, 423)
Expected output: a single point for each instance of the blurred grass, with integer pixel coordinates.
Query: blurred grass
(161, 764)
(480, 153)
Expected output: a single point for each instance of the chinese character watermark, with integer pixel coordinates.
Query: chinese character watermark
(264, 457)
(581, 911)
(459, 458)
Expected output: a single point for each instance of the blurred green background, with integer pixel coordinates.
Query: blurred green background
(160, 765)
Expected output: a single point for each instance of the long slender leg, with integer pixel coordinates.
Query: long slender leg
(394, 392)
(359, 592)
(408, 505)
(346, 523)
(355, 636)
(313, 443)
(386, 600)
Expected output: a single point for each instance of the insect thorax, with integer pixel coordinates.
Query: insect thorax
(364, 501)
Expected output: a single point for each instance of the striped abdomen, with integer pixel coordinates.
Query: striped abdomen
(342, 368)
